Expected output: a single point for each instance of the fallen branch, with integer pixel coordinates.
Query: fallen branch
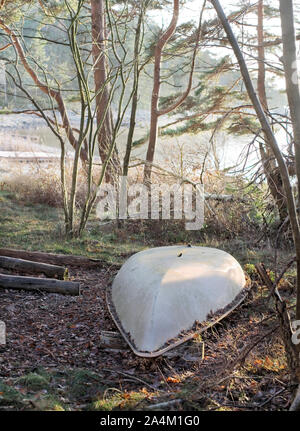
(207, 196)
(27, 266)
(39, 284)
(272, 397)
(122, 373)
(165, 404)
(53, 259)
(285, 269)
(245, 352)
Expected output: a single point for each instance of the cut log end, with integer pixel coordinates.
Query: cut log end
(29, 267)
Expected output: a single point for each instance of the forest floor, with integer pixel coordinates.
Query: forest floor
(54, 358)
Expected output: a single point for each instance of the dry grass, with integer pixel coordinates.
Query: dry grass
(40, 183)
(246, 214)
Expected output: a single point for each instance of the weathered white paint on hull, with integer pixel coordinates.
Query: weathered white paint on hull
(159, 293)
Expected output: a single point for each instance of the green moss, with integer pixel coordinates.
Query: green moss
(84, 384)
(8, 394)
(34, 381)
(250, 269)
(119, 401)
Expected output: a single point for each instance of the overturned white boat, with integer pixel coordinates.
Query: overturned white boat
(160, 294)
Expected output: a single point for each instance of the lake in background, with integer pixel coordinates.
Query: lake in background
(227, 152)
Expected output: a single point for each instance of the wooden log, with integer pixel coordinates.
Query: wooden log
(39, 284)
(165, 404)
(112, 340)
(53, 259)
(27, 266)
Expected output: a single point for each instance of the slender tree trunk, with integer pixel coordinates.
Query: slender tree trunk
(274, 180)
(261, 79)
(268, 162)
(293, 93)
(292, 88)
(99, 51)
(155, 111)
(134, 102)
(156, 91)
(264, 123)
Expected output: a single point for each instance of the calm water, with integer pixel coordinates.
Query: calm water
(226, 152)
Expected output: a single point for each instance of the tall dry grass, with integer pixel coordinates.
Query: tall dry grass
(40, 183)
(246, 213)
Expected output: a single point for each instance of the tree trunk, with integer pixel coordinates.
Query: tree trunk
(39, 284)
(261, 79)
(268, 162)
(274, 180)
(134, 103)
(99, 52)
(292, 88)
(30, 267)
(156, 90)
(155, 112)
(293, 93)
